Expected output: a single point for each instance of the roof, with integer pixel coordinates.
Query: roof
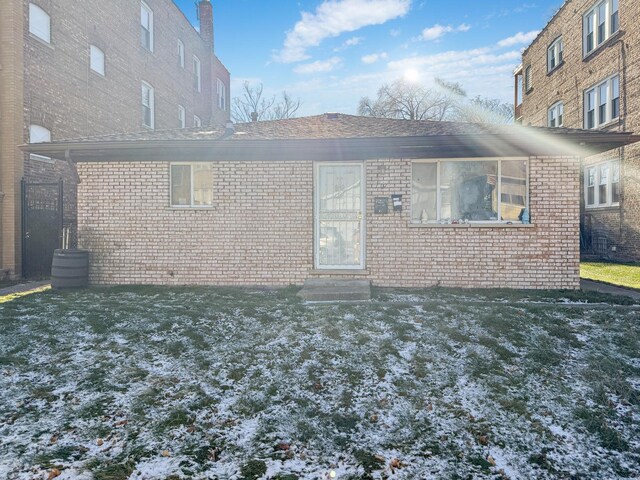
(319, 136)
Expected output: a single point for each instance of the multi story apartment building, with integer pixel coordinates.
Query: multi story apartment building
(583, 71)
(72, 69)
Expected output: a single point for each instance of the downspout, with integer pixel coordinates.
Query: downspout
(72, 166)
(622, 67)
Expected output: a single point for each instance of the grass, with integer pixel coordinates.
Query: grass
(144, 382)
(622, 274)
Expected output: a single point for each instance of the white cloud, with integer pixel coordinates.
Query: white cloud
(321, 66)
(395, 32)
(519, 38)
(353, 41)
(437, 31)
(374, 57)
(334, 17)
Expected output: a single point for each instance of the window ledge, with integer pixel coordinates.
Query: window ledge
(346, 271)
(609, 41)
(41, 41)
(192, 208)
(527, 92)
(602, 208)
(471, 225)
(556, 68)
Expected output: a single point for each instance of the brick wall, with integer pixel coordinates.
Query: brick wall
(11, 133)
(260, 231)
(619, 55)
(62, 94)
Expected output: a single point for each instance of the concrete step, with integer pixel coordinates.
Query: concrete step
(321, 290)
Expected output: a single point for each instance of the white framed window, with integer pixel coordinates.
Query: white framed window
(221, 90)
(148, 105)
(469, 190)
(196, 121)
(146, 25)
(555, 117)
(182, 116)
(180, 53)
(602, 184)
(96, 59)
(39, 134)
(197, 74)
(191, 184)
(528, 80)
(39, 23)
(598, 24)
(602, 103)
(555, 54)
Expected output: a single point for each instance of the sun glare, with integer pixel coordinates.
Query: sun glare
(411, 75)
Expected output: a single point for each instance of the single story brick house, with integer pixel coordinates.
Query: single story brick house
(397, 202)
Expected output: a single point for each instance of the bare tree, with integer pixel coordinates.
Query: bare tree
(252, 104)
(486, 110)
(409, 101)
(445, 101)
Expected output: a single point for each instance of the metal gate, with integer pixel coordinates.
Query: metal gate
(42, 219)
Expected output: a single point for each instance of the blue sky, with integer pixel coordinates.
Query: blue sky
(332, 52)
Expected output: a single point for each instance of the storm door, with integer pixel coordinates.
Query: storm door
(339, 220)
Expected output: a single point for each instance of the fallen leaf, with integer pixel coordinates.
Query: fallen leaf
(483, 440)
(53, 439)
(284, 446)
(374, 418)
(491, 460)
(165, 453)
(99, 442)
(54, 473)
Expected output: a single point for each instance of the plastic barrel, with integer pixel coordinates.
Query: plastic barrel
(70, 269)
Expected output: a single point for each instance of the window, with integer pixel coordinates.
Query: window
(180, 53)
(555, 54)
(602, 184)
(197, 79)
(221, 89)
(602, 103)
(39, 23)
(556, 115)
(528, 85)
(599, 24)
(96, 59)
(146, 24)
(38, 134)
(182, 117)
(196, 121)
(448, 191)
(191, 184)
(148, 105)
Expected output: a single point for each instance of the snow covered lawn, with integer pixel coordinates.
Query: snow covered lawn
(228, 383)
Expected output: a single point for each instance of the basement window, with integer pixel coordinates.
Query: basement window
(39, 23)
(469, 191)
(191, 184)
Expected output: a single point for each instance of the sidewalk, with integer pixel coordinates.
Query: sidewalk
(591, 286)
(24, 288)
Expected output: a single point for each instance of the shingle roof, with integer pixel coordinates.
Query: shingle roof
(326, 126)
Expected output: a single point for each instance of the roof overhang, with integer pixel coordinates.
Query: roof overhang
(526, 142)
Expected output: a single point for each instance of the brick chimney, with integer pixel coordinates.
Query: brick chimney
(205, 14)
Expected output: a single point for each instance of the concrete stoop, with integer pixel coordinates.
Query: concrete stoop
(321, 290)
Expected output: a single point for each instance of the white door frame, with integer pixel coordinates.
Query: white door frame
(316, 217)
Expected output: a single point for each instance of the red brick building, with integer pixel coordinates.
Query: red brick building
(583, 71)
(73, 69)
